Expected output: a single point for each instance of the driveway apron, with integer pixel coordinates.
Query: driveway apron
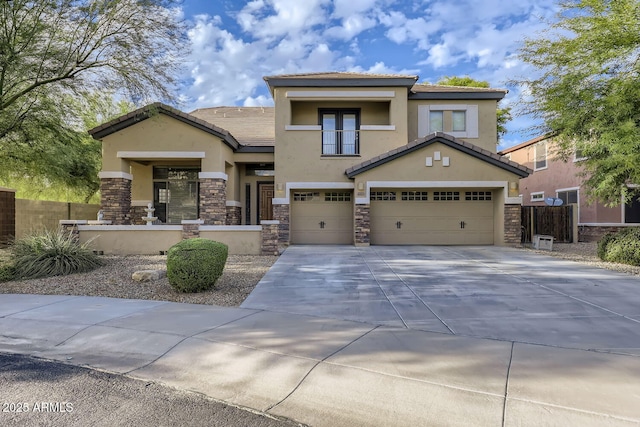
(484, 291)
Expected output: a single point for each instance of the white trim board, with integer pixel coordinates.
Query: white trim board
(115, 174)
(438, 184)
(161, 154)
(213, 175)
(310, 186)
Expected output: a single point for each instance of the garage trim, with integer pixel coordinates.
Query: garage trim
(437, 184)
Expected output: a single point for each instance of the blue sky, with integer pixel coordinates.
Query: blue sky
(235, 43)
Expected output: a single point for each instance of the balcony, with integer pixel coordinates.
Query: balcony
(340, 142)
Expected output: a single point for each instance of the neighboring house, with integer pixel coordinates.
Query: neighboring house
(332, 162)
(556, 178)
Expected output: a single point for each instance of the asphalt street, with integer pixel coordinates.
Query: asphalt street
(35, 392)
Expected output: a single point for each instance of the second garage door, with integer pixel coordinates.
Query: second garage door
(322, 217)
(431, 217)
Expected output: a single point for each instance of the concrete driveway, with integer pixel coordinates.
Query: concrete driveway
(489, 292)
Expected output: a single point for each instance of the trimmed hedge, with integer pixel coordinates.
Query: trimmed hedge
(622, 247)
(195, 265)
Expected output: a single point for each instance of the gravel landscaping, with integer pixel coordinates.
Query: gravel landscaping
(241, 274)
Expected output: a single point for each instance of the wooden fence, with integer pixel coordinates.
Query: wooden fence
(556, 221)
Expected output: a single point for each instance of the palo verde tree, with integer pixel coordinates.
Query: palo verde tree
(585, 87)
(503, 114)
(54, 54)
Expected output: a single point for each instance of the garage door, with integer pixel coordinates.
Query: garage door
(431, 217)
(322, 217)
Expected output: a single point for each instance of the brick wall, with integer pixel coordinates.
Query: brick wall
(7, 216)
(512, 225)
(593, 233)
(234, 215)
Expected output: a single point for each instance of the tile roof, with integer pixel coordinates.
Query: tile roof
(424, 87)
(448, 140)
(527, 143)
(342, 75)
(249, 125)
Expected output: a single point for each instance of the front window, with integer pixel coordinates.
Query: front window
(436, 121)
(459, 119)
(340, 132)
(175, 192)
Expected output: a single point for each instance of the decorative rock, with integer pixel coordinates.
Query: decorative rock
(148, 275)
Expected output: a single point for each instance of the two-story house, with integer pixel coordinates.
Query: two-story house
(342, 158)
(558, 178)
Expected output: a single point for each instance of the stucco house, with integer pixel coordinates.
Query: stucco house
(557, 178)
(342, 158)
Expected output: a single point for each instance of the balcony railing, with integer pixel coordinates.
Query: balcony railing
(340, 142)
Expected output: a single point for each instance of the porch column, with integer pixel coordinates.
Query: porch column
(115, 197)
(234, 212)
(281, 214)
(512, 224)
(213, 198)
(362, 225)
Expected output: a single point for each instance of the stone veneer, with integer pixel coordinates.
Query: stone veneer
(270, 237)
(593, 233)
(191, 229)
(281, 214)
(234, 215)
(137, 212)
(213, 201)
(70, 227)
(362, 225)
(512, 224)
(115, 197)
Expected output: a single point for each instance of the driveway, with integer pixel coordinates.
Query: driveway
(489, 292)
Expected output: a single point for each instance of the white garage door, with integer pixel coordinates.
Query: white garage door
(431, 217)
(322, 217)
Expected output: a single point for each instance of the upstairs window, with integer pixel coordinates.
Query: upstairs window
(459, 119)
(540, 156)
(436, 121)
(340, 130)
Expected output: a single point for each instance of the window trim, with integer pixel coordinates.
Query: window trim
(537, 193)
(339, 113)
(471, 122)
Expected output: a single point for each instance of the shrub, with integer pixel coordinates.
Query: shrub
(622, 247)
(195, 265)
(51, 254)
(7, 272)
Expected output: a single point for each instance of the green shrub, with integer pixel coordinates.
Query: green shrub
(622, 247)
(51, 254)
(195, 265)
(7, 272)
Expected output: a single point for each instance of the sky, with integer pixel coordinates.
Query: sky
(235, 43)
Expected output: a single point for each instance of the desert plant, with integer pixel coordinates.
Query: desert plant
(622, 247)
(7, 272)
(195, 265)
(51, 254)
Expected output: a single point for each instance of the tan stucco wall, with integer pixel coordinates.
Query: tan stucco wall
(142, 242)
(487, 120)
(298, 154)
(131, 242)
(163, 133)
(411, 167)
(239, 242)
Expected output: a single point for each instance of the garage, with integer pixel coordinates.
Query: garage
(432, 217)
(321, 217)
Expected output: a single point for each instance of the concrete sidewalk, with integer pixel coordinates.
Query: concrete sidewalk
(327, 372)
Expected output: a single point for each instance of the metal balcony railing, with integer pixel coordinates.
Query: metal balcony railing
(340, 142)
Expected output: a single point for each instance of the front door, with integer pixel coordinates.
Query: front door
(266, 207)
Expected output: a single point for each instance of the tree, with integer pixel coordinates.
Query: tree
(586, 91)
(503, 114)
(54, 54)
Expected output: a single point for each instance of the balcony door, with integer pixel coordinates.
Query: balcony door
(340, 131)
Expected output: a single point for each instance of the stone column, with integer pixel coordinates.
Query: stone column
(281, 214)
(362, 225)
(234, 213)
(270, 237)
(512, 224)
(191, 228)
(70, 227)
(213, 200)
(115, 198)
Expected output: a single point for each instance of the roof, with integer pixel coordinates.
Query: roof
(458, 144)
(151, 110)
(429, 91)
(339, 79)
(526, 143)
(253, 126)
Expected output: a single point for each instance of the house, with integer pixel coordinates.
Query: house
(342, 158)
(556, 178)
